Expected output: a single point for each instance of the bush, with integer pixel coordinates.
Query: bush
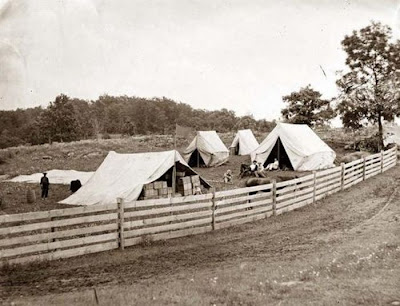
(370, 144)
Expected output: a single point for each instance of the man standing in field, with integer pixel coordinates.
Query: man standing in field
(44, 184)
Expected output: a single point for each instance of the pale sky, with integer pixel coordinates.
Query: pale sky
(243, 55)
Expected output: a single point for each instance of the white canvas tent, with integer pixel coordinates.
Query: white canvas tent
(391, 134)
(297, 147)
(123, 176)
(206, 149)
(244, 142)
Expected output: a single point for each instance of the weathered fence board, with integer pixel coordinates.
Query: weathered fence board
(58, 234)
(56, 213)
(165, 228)
(172, 218)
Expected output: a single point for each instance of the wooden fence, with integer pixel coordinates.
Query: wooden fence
(63, 233)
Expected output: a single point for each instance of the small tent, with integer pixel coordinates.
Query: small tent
(124, 175)
(391, 134)
(297, 147)
(206, 149)
(244, 143)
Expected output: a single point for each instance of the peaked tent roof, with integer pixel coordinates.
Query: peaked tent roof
(304, 148)
(210, 146)
(123, 176)
(246, 140)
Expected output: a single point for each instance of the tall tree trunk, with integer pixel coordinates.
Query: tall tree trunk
(380, 132)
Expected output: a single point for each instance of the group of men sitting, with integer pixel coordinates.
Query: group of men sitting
(256, 169)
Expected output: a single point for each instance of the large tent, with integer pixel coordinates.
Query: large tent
(124, 175)
(297, 147)
(206, 149)
(244, 142)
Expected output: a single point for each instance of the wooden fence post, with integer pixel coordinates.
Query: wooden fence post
(364, 161)
(121, 238)
(342, 177)
(274, 197)
(381, 161)
(315, 186)
(213, 208)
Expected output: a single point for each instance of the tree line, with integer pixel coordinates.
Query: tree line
(69, 119)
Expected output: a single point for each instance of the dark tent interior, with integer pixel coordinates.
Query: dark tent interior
(196, 160)
(279, 152)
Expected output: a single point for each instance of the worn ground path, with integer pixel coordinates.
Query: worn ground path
(345, 250)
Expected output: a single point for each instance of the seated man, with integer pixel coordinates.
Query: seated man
(254, 168)
(260, 170)
(228, 176)
(273, 166)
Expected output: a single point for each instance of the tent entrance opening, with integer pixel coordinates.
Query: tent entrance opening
(279, 152)
(196, 160)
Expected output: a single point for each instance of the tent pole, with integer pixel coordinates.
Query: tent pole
(174, 179)
(279, 150)
(198, 158)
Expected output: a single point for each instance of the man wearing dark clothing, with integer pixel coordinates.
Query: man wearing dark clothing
(44, 184)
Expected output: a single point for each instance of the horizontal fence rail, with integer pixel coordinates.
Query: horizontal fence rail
(58, 233)
(63, 233)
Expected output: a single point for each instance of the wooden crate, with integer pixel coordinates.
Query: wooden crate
(148, 186)
(184, 180)
(160, 184)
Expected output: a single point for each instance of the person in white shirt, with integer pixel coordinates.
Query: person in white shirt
(273, 166)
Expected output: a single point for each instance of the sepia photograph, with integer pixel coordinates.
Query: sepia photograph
(199, 152)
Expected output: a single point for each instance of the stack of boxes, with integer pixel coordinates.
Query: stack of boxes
(189, 185)
(156, 190)
(185, 186)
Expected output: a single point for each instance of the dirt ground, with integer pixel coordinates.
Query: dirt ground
(345, 250)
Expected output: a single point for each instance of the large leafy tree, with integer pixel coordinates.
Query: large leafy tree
(59, 122)
(307, 106)
(370, 90)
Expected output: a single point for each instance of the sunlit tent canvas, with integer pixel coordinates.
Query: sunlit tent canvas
(123, 176)
(55, 177)
(244, 142)
(206, 149)
(391, 134)
(297, 147)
